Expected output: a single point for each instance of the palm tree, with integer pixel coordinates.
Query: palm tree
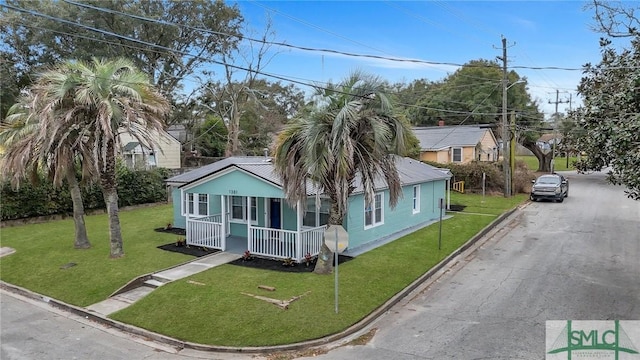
(98, 100)
(24, 158)
(348, 134)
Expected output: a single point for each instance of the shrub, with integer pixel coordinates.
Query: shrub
(42, 199)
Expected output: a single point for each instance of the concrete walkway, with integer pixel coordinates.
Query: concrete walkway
(122, 300)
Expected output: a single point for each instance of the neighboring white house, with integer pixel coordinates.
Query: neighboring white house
(138, 156)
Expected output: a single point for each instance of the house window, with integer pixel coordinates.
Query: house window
(254, 209)
(203, 204)
(373, 213)
(416, 199)
(457, 155)
(239, 208)
(316, 217)
(196, 204)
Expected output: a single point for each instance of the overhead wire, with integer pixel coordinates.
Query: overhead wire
(276, 76)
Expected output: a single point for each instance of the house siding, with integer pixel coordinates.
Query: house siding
(488, 144)
(166, 151)
(238, 183)
(233, 183)
(395, 220)
(441, 157)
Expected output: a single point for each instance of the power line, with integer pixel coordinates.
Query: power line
(304, 48)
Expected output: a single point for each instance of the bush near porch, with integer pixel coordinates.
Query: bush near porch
(217, 313)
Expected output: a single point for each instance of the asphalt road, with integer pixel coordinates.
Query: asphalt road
(33, 330)
(575, 260)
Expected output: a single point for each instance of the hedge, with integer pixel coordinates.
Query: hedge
(43, 199)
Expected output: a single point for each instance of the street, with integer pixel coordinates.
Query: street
(577, 260)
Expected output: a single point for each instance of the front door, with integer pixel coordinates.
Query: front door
(275, 220)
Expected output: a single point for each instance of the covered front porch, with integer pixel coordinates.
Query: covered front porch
(266, 227)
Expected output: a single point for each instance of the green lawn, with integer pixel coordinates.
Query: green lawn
(217, 313)
(41, 249)
(208, 307)
(560, 163)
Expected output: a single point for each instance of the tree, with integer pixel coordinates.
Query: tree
(610, 116)
(167, 40)
(211, 137)
(99, 99)
(261, 110)
(470, 95)
(347, 134)
(473, 95)
(25, 155)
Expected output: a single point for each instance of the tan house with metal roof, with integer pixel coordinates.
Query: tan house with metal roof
(457, 144)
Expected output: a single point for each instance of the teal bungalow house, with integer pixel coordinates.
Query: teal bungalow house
(238, 204)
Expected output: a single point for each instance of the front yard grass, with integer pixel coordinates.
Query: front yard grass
(559, 164)
(209, 307)
(42, 249)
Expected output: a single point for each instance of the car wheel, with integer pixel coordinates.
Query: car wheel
(561, 199)
(566, 194)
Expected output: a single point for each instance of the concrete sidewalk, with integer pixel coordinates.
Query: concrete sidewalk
(124, 299)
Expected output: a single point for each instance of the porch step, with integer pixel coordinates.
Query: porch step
(153, 283)
(134, 295)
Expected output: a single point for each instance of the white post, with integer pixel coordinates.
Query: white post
(299, 230)
(185, 205)
(335, 257)
(249, 238)
(223, 227)
(449, 194)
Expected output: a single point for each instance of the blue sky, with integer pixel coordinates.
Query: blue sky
(539, 34)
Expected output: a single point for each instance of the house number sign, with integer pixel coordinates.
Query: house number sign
(233, 192)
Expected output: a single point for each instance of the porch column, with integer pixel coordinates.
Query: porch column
(449, 194)
(249, 232)
(299, 230)
(184, 206)
(223, 227)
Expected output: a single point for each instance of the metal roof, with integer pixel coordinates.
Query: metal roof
(442, 137)
(130, 146)
(410, 171)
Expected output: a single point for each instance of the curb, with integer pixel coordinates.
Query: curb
(179, 344)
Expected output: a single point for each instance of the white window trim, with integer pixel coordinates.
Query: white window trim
(196, 204)
(453, 157)
(316, 212)
(416, 199)
(245, 215)
(374, 222)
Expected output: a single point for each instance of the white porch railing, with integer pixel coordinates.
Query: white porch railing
(311, 241)
(282, 244)
(205, 231)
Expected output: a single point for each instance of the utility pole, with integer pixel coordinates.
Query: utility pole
(505, 126)
(555, 128)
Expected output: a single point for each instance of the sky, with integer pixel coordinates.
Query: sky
(444, 34)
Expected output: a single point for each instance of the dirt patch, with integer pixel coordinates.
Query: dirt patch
(281, 265)
(196, 251)
(172, 230)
